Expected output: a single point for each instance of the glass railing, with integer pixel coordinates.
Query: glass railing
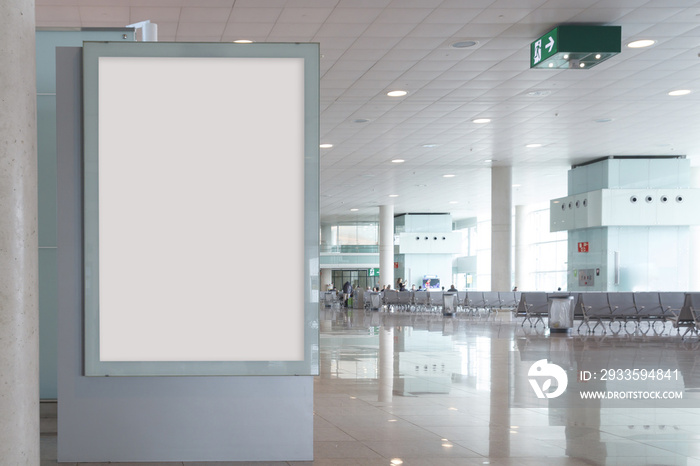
(351, 249)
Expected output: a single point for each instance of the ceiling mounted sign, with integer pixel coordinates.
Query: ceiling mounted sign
(575, 47)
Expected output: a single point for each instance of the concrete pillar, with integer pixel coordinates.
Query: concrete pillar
(386, 245)
(328, 240)
(694, 282)
(19, 247)
(327, 279)
(522, 261)
(501, 227)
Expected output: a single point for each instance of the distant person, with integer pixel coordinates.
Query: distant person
(347, 290)
(515, 288)
(452, 288)
(413, 287)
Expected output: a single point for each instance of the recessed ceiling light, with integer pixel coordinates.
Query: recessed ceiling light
(597, 56)
(243, 41)
(454, 202)
(516, 185)
(489, 160)
(639, 44)
(430, 146)
(679, 92)
(464, 44)
(398, 161)
(354, 210)
(539, 93)
(326, 146)
(603, 120)
(397, 93)
(396, 461)
(533, 146)
(581, 65)
(448, 176)
(481, 121)
(393, 195)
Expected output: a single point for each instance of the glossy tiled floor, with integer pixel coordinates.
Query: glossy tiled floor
(430, 390)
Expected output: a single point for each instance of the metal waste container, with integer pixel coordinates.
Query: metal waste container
(449, 304)
(359, 299)
(561, 313)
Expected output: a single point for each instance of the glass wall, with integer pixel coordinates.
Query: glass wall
(362, 237)
(355, 277)
(547, 250)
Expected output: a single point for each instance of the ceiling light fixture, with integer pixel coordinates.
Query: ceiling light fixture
(464, 44)
(393, 195)
(243, 41)
(430, 146)
(354, 210)
(398, 161)
(326, 146)
(533, 146)
(454, 202)
(448, 176)
(679, 92)
(397, 93)
(481, 121)
(641, 43)
(539, 93)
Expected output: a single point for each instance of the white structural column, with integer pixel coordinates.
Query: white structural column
(326, 279)
(386, 245)
(694, 284)
(521, 250)
(19, 250)
(328, 240)
(501, 227)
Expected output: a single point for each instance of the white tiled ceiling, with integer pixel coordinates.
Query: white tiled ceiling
(369, 47)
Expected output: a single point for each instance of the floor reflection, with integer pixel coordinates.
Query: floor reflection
(428, 389)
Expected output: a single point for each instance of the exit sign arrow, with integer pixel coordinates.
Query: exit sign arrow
(549, 44)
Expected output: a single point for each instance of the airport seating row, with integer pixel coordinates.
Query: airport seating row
(642, 311)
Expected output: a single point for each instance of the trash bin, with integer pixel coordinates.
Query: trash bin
(449, 304)
(561, 313)
(359, 298)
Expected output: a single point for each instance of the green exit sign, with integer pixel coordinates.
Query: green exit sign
(544, 47)
(373, 272)
(575, 47)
